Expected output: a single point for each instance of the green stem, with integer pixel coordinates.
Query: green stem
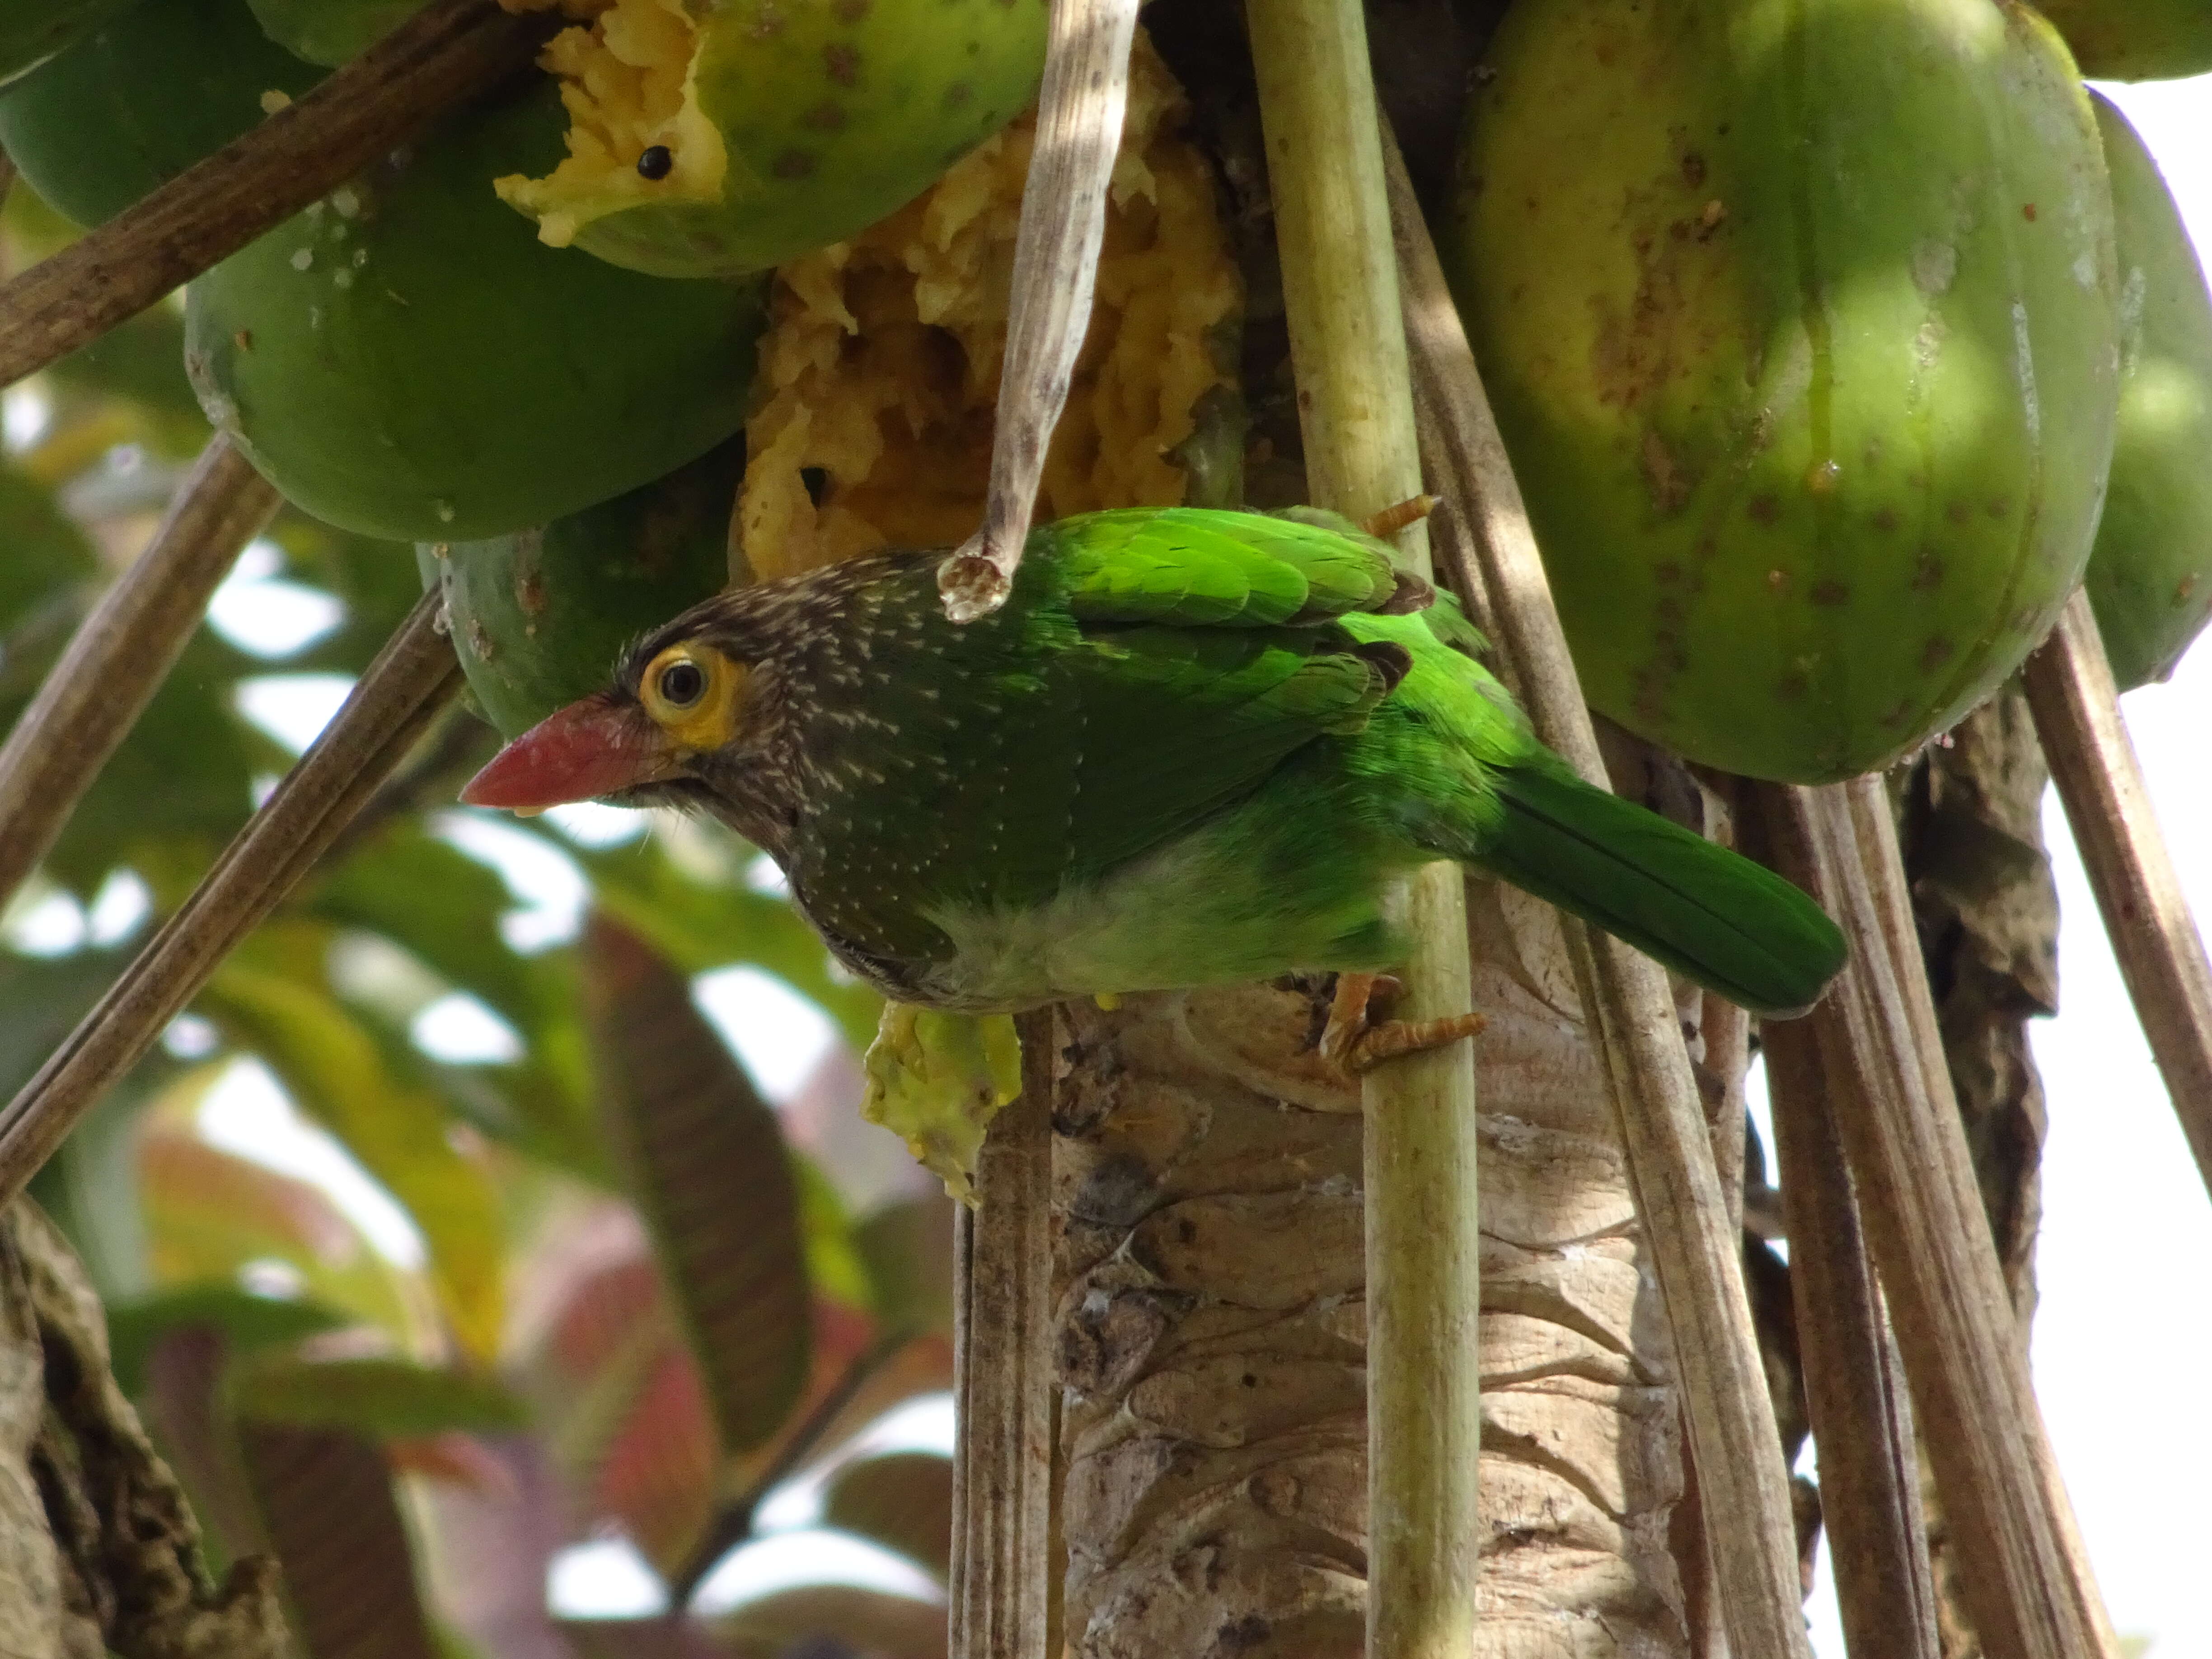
(1347, 340)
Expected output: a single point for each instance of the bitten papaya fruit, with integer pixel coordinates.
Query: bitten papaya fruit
(1801, 321)
(2150, 574)
(2135, 39)
(539, 618)
(130, 105)
(404, 360)
(713, 140)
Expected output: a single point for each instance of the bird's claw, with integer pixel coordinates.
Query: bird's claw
(1352, 1040)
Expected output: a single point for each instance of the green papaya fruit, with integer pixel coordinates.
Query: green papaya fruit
(1800, 317)
(404, 360)
(2135, 40)
(712, 141)
(31, 30)
(139, 99)
(539, 618)
(2150, 574)
(329, 32)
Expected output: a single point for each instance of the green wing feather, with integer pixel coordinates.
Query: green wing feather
(1732, 925)
(1199, 568)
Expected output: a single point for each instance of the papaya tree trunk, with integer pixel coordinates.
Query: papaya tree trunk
(1211, 1330)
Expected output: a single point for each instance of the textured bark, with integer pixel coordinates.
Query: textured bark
(1206, 1180)
(99, 1552)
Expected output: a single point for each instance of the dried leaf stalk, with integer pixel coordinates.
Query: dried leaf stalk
(2027, 1586)
(1744, 1488)
(121, 653)
(2161, 957)
(412, 679)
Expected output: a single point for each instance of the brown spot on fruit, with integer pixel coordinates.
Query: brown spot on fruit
(1884, 519)
(1763, 509)
(793, 164)
(529, 594)
(1779, 580)
(1829, 592)
(1928, 574)
(841, 62)
(957, 93)
(1934, 655)
(828, 116)
(1667, 573)
(480, 640)
(2184, 587)
(1790, 688)
(1958, 513)
(1895, 716)
(1668, 488)
(851, 11)
(2028, 211)
(1693, 169)
(767, 25)
(243, 339)
(2000, 507)
(1821, 477)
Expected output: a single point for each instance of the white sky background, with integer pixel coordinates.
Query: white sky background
(2121, 1347)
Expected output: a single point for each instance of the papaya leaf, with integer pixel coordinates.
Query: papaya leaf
(708, 1169)
(47, 553)
(142, 363)
(209, 1213)
(247, 1323)
(45, 997)
(326, 1497)
(835, 1266)
(700, 925)
(903, 1500)
(380, 1399)
(334, 1069)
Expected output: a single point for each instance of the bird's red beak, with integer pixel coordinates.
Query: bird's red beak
(589, 749)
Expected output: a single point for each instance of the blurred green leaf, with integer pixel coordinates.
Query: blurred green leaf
(383, 1398)
(209, 1213)
(707, 1165)
(349, 1573)
(908, 1247)
(46, 554)
(247, 1323)
(141, 361)
(337, 1072)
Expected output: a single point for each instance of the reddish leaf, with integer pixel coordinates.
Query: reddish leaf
(453, 1459)
(326, 1497)
(706, 1163)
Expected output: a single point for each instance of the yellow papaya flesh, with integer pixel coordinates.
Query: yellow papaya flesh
(730, 139)
(538, 618)
(2150, 574)
(404, 360)
(2135, 39)
(1800, 319)
(139, 99)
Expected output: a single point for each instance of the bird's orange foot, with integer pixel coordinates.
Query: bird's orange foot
(1392, 520)
(1353, 1040)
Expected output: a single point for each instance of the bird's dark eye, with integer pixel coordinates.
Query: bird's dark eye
(655, 162)
(681, 683)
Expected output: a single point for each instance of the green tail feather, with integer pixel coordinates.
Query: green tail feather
(1734, 927)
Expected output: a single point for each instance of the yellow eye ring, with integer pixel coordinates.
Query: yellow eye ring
(691, 690)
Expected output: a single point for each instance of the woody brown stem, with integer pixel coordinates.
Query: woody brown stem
(412, 679)
(449, 51)
(121, 653)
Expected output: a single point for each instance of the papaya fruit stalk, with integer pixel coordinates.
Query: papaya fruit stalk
(411, 679)
(447, 53)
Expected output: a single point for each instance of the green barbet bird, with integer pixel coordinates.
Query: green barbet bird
(1194, 747)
